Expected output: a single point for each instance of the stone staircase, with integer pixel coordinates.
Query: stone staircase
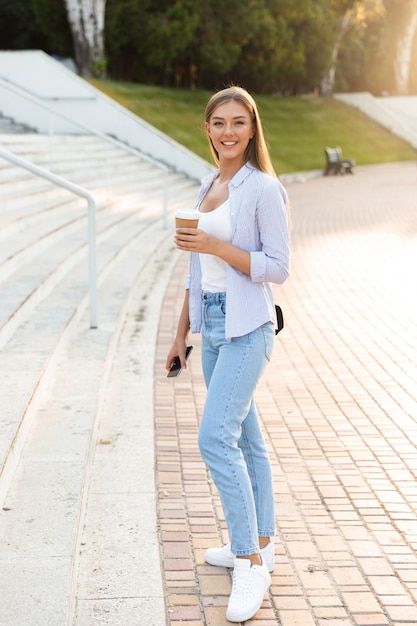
(8, 125)
(61, 381)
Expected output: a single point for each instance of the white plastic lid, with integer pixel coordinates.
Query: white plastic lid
(187, 214)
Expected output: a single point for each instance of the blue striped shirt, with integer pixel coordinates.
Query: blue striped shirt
(259, 225)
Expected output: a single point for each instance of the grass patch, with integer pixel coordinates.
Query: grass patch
(297, 129)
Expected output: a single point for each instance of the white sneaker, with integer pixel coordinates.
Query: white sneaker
(249, 586)
(223, 557)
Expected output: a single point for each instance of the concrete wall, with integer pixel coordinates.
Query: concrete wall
(399, 115)
(32, 82)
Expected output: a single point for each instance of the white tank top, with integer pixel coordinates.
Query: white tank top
(214, 269)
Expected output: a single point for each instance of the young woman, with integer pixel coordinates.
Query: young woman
(241, 245)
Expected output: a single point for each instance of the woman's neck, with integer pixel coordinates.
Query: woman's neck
(228, 171)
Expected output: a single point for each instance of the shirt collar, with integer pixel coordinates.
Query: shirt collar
(240, 176)
(237, 179)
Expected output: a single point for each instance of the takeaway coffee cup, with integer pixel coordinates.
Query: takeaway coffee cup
(186, 218)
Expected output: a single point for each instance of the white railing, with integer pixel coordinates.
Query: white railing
(62, 182)
(25, 94)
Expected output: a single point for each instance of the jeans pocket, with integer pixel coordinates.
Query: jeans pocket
(223, 306)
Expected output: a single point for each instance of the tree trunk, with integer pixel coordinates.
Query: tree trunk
(402, 61)
(328, 80)
(86, 20)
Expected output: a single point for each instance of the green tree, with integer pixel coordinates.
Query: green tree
(348, 18)
(35, 24)
(171, 32)
(267, 58)
(52, 25)
(125, 29)
(224, 27)
(149, 40)
(269, 46)
(288, 48)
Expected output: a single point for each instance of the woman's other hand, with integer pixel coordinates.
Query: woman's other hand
(178, 349)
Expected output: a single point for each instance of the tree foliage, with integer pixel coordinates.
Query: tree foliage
(270, 46)
(52, 23)
(35, 24)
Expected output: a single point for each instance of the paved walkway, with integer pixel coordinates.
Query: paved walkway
(338, 405)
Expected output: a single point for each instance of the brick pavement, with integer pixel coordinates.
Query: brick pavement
(338, 405)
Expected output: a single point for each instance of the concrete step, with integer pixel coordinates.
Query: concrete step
(56, 250)
(8, 125)
(54, 489)
(60, 379)
(41, 262)
(39, 321)
(43, 205)
(94, 175)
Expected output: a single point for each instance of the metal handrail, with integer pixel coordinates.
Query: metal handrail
(63, 182)
(23, 93)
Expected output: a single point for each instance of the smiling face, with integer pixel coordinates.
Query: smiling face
(230, 128)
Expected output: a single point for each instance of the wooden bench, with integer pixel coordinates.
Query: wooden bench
(336, 164)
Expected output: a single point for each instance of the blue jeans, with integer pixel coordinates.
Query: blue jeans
(230, 439)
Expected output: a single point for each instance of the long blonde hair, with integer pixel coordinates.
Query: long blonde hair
(257, 151)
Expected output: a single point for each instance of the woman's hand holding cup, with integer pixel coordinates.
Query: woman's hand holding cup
(186, 223)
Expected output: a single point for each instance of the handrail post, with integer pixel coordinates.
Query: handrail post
(91, 217)
(92, 262)
(165, 198)
(51, 142)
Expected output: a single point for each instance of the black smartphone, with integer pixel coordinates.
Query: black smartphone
(176, 368)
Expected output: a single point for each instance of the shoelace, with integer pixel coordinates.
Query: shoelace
(242, 581)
